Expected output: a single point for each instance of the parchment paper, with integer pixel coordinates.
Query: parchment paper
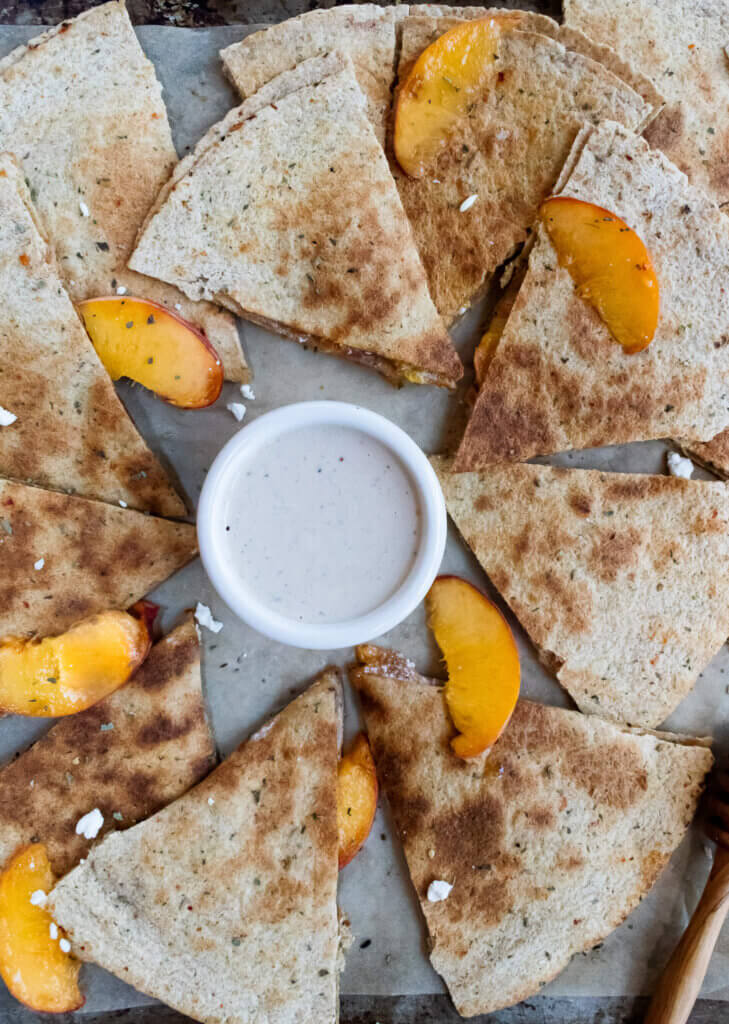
(248, 677)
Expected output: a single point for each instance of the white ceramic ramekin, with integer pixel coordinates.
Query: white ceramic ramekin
(243, 601)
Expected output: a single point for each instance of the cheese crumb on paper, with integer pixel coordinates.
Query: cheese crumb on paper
(680, 466)
(247, 391)
(205, 617)
(39, 564)
(468, 203)
(6, 417)
(439, 891)
(65, 945)
(83, 208)
(90, 825)
(39, 898)
(237, 408)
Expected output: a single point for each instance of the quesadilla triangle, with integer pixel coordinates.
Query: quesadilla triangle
(548, 841)
(223, 905)
(620, 580)
(558, 379)
(306, 235)
(64, 558)
(508, 148)
(683, 48)
(127, 756)
(82, 110)
(71, 432)
(365, 32)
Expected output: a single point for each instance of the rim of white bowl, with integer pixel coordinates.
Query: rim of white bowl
(243, 601)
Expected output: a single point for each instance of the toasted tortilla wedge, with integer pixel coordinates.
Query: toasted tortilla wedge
(509, 151)
(223, 905)
(558, 379)
(549, 841)
(682, 47)
(95, 557)
(620, 580)
(81, 108)
(366, 32)
(307, 234)
(71, 433)
(713, 455)
(129, 755)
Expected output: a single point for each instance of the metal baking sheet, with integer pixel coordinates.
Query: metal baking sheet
(247, 677)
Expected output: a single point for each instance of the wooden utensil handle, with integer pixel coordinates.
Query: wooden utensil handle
(681, 980)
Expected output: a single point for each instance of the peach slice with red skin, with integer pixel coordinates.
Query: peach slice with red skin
(151, 345)
(356, 798)
(445, 80)
(610, 266)
(65, 674)
(482, 661)
(32, 964)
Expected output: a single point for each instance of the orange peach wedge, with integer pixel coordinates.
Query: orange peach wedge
(610, 266)
(147, 343)
(35, 962)
(61, 675)
(356, 798)
(482, 661)
(448, 76)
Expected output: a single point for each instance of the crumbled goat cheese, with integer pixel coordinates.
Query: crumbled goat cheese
(65, 946)
(468, 203)
(53, 930)
(39, 564)
(6, 417)
(39, 898)
(178, 305)
(679, 466)
(439, 890)
(205, 617)
(237, 408)
(83, 208)
(247, 391)
(90, 825)
(121, 290)
(123, 503)
(211, 800)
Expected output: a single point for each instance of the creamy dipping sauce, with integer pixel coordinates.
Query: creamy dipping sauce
(322, 524)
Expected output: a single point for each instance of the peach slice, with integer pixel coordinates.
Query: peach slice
(32, 964)
(445, 80)
(482, 660)
(610, 266)
(149, 344)
(356, 798)
(61, 675)
(486, 349)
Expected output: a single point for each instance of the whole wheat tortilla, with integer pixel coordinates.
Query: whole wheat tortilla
(621, 581)
(223, 905)
(95, 557)
(287, 213)
(71, 433)
(681, 44)
(558, 379)
(128, 756)
(508, 152)
(549, 841)
(82, 110)
(366, 32)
